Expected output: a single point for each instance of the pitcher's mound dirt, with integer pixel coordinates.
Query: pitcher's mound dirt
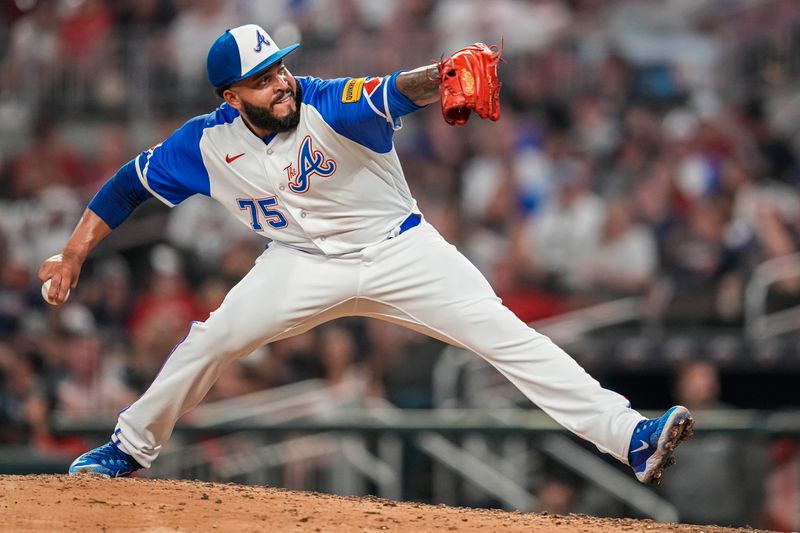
(62, 503)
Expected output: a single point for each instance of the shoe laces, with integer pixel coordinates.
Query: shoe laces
(645, 424)
(114, 462)
(111, 454)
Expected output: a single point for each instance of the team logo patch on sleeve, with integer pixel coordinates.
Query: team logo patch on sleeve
(371, 85)
(352, 90)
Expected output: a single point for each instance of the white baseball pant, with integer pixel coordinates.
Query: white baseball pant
(417, 280)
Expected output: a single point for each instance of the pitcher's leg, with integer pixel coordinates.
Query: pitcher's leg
(425, 280)
(285, 294)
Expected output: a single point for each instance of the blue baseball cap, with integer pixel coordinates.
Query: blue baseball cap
(241, 52)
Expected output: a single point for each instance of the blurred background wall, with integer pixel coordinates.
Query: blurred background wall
(647, 156)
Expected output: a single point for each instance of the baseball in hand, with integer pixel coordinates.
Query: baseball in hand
(46, 290)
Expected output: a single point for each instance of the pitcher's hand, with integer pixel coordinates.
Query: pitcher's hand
(63, 271)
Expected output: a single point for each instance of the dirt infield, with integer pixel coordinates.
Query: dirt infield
(61, 503)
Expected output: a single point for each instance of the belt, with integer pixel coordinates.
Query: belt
(413, 220)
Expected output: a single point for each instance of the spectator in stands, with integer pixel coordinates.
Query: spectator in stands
(168, 297)
(290, 360)
(113, 151)
(657, 204)
(32, 62)
(410, 21)
(23, 405)
(146, 53)
(598, 133)
(777, 158)
(401, 364)
(526, 26)
(15, 298)
(626, 258)
(191, 33)
(32, 226)
(556, 243)
(84, 32)
(48, 161)
(159, 315)
(489, 194)
(93, 381)
(236, 380)
(712, 463)
(139, 18)
(338, 353)
(108, 293)
(698, 259)
(777, 238)
(628, 168)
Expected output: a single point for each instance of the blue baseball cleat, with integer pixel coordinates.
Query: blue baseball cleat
(106, 460)
(654, 440)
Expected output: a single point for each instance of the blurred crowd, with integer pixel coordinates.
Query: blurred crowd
(642, 151)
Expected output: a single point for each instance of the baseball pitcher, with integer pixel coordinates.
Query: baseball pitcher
(310, 164)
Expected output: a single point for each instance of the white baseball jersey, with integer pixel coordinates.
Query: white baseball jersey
(333, 185)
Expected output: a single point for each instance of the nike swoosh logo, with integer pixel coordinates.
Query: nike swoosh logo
(641, 448)
(229, 159)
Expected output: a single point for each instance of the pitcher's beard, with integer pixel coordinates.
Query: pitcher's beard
(261, 117)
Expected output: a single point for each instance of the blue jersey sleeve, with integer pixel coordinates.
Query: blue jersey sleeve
(398, 103)
(173, 170)
(365, 110)
(120, 195)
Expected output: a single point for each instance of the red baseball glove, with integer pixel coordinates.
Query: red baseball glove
(468, 82)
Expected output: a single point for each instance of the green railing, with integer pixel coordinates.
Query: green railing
(456, 421)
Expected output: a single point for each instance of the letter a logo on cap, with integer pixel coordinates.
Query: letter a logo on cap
(261, 41)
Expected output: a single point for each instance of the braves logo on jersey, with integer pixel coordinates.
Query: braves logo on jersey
(309, 162)
(261, 41)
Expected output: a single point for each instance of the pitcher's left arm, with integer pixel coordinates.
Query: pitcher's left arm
(420, 85)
